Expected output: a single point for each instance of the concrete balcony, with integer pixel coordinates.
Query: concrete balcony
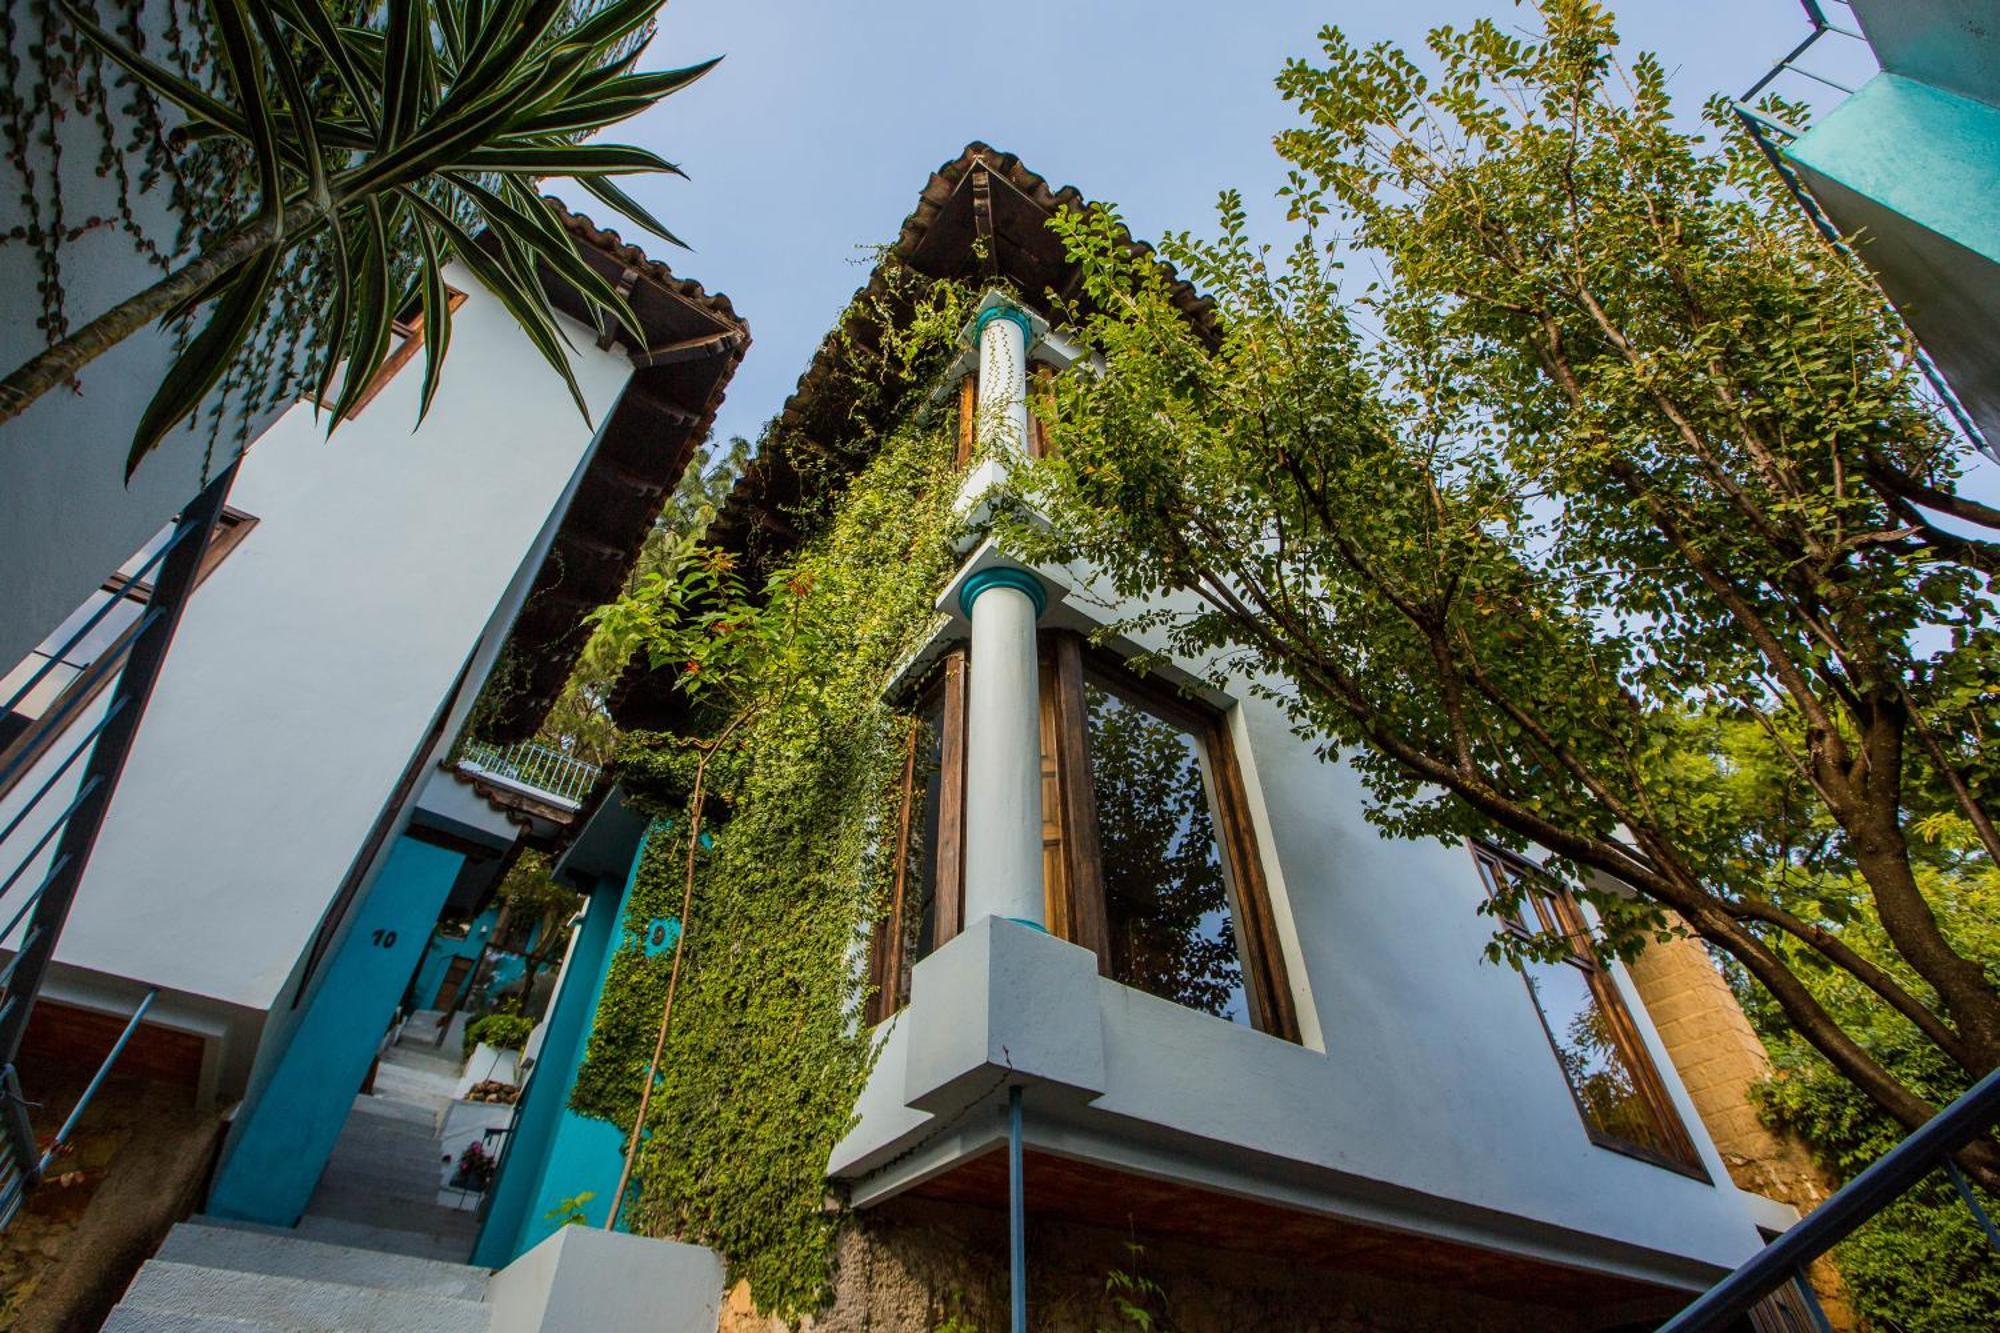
(1909, 164)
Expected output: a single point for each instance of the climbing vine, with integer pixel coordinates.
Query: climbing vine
(766, 1054)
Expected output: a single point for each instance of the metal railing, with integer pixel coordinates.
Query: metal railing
(1785, 1259)
(51, 846)
(533, 766)
(1771, 134)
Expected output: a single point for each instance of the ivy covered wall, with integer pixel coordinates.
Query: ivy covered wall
(766, 1053)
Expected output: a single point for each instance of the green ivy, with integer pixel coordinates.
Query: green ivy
(767, 1054)
(1922, 1265)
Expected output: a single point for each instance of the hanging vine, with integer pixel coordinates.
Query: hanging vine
(166, 197)
(766, 1054)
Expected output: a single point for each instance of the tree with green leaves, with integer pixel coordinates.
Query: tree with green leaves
(383, 148)
(580, 722)
(1922, 1265)
(1616, 452)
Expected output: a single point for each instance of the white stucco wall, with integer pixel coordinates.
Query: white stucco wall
(1425, 1094)
(313, 659)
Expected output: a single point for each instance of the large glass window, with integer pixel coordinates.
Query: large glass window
(1147, 855)
(1617, 1089)
(924, 895)
(1168, 924)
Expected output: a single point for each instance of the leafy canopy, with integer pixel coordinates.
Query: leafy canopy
(1598, 499)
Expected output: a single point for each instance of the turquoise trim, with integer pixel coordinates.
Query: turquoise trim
(1023, 921)
(284, 1133)
(1003, 576)
(553, 1153)
(1014, 313)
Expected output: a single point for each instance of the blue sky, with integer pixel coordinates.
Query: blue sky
(810, 142)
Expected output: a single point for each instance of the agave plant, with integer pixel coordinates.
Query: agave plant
(388, 147)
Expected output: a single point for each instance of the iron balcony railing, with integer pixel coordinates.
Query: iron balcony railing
(1771, 135)
(1785, 1259)
(534, 767)
(69, 769)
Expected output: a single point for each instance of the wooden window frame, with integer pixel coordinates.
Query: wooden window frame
(1080, 915)
(411, 331)
(1558, 911)
(968, 417)
(1266, 980)
(946, 685)
(231, 527)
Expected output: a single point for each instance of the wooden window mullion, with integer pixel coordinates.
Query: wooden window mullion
(1083, 861)
(1272, 1008)
(949, 907)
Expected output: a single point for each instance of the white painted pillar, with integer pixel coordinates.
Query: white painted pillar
(1003, 748)
(1003, 378)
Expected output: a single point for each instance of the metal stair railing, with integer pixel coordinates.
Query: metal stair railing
(61, 846)
(1785, 1259)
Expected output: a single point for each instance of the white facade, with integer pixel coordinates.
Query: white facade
(314, 660)
(1423, 1095)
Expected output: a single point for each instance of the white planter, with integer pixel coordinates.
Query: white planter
(488, 1064)
(466, 1123)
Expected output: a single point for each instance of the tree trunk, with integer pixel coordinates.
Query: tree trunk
(63, 361)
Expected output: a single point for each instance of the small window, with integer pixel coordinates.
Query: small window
(1041, 402)
(406, 338)
(66, 681)
(1147, 854)
(1617, 1089)
(968, 417)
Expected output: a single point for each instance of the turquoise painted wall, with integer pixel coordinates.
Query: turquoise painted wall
(552, 1152)
(282, 1137)
(1923, 153)
(506, 970)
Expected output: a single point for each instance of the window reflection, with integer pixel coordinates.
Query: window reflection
(1616, 1088)
(1170, 929)
(1592, 1060)
(918, 920)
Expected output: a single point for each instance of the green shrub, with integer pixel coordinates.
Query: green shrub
(506, 1032)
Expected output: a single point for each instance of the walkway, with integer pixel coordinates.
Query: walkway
(375, 1251)
(379, 1190)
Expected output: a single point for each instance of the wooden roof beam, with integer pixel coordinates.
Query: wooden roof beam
(687, 349)
(982, 219)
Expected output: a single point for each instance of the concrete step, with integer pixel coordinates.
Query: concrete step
(298, 1303)
(399, 1109)
(127, 1319)
(447, 1245)
(286, 1254)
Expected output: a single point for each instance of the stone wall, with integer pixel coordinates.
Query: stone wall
(1719, 1058)
(920, 1266)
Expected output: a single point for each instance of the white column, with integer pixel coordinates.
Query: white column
(1003, 379)
(1003, 749)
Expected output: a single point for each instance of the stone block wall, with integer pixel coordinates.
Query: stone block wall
(924, 1266)
(1719, 1058)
